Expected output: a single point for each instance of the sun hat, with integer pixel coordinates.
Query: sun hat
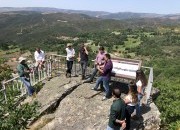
(69, 44)
(21, 59)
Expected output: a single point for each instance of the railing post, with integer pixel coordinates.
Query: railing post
(4, 91)
(149, 87)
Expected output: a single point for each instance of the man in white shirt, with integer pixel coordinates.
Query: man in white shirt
(39, 57)
(70, 58)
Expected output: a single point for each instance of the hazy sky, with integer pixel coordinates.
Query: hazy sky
(146, 6)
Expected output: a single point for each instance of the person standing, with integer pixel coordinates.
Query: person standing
(117, 112)
(23, 72)
(99, 61)
(39, 58)
(70, 58)
(105, 75)
(83, 59)
(130, 100)
(141, 83)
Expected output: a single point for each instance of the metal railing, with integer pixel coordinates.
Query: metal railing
(16, 87)
(54, 66)
(148, 88)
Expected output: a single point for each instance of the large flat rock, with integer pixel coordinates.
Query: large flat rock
(80, 108)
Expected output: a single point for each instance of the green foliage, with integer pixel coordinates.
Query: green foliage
(137, 37)
(5, 72)
(15, 117)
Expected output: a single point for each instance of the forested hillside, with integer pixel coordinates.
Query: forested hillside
(155, 41)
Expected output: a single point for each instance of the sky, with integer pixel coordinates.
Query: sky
(140, 6)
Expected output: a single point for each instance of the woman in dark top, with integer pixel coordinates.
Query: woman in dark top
(83, 59)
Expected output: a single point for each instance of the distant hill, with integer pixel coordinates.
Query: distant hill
(53, 10)
(98, 14)
(29, 27)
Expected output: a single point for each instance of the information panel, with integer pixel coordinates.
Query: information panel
(125, 68)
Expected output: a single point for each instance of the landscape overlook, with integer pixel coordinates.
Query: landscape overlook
(68, 103)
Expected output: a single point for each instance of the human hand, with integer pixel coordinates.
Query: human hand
(123, 126)
(78, 59)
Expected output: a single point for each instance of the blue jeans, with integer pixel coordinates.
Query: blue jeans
(95, 70)
(105, 84)
(109, 128)
(138, 106)
(28, 86)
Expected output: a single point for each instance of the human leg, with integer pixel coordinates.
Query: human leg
(93, 74)
(129, 110)
(98, 81)
(28, 86)
(71, 65)
(83, 67)
(106, 87)
(138, 106)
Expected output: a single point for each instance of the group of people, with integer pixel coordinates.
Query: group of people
(121, 109)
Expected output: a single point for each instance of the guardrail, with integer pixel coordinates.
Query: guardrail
(148, 88)
(15, 84)
(55, 65)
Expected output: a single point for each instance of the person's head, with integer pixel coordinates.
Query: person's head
(141, 76)
(116, 92)
(22, 60)
(107, 57)
(82, 45)
(101, 49)
(132, 88)
(38, 49)
(69, 45)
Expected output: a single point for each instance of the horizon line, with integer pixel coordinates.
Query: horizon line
(92, 10)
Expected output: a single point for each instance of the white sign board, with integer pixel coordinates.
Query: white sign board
(125, 68)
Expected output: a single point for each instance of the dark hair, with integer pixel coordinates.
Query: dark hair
(142, 77)
(133, 92)
(101, 48)
(116, 92)
(108, 56)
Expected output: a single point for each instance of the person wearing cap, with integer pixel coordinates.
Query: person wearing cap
(23, 72)
(39, 58)
(70, 58)
(83, 59)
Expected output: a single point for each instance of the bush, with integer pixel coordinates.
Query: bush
(16, 117)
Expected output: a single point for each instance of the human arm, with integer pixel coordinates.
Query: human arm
(96, 60)
(86, 51)
(23, 70)
(79, 57)
(139, 87)
(43, 56)
(126, 100)
(100, 69)
(73, 53)
(35, 56)
(113, 116)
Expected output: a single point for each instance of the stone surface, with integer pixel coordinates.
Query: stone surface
(74, 106)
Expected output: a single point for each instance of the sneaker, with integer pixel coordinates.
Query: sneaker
(87, 81)
(93, 89)
(104, 98)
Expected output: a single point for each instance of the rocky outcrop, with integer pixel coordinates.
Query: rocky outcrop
(67, 104)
